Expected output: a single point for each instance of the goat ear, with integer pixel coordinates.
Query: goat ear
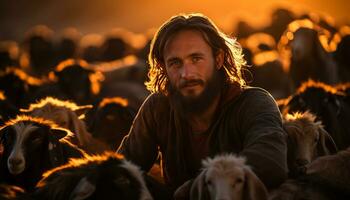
(77, 127)
(183, 191)
(58, 133)
(3, 131)
(199, 188)
(254, 189)
(326, 144)
(83, 190)
(82, 110)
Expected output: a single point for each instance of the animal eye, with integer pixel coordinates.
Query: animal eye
(122, 181)
(239, 180)
(37, 140)
(209, 182)
(316, 139)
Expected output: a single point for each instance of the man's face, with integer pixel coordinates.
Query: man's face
(192, 69)
(189, 62)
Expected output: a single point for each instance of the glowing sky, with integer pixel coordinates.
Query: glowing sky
(101, 15)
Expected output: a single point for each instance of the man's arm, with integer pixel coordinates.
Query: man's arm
(264, 142)
(140, 145)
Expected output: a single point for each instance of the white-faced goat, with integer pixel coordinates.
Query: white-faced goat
(66, 114)
(30, 146)
(224, 177)
(306, 140)
(107, 176)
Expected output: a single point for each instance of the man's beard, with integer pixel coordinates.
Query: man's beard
(198, 104)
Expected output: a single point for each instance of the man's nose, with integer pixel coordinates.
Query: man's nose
(187, 71)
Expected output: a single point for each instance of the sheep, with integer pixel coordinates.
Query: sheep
(18, 86)
(306, 140)
(7, 109)
(40, 50)
(328, 103)
(333, 171)
(30, 146)
(326, 178)
(305, 56)
(223, 177)
(66, 114)
(94, 177)
(110, 120)
(78, 80)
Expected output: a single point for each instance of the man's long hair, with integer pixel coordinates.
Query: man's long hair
(217, 40)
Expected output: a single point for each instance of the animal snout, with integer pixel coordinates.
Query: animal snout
(15, 161)
(301, 170)
(301, 162)
(16, 165)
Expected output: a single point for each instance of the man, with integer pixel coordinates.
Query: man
(200, 107)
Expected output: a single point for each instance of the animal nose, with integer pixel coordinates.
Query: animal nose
(301, 170)
(301, 162)
(15, 161)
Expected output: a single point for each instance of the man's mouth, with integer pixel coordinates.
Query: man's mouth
(188, 84)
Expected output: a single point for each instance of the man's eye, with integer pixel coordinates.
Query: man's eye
(196, 59)
(174, 63)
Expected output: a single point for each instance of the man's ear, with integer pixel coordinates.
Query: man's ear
(219, 59)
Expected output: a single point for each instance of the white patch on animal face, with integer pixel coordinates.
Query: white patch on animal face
(16, 161)
(225, 184)
(135, 171)
(225, 176)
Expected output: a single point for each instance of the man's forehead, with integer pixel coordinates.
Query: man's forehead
(185, 42)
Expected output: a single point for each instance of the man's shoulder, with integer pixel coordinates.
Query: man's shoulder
(157, 98)
(249, 93)
(250, 90)
(156, 101)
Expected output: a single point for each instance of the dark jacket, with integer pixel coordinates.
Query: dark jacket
(247, 122)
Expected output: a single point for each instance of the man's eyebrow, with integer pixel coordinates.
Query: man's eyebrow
(196, 54)
(171, 59)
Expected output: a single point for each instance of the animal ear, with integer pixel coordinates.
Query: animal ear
(326, 144)
(1, 141)
(3, 131)
(1, 147)
(199, 188)
(289, 136)
(78, 128)
(82, 110)
(83, 190)
(183, 191)
(254, 189)
(58, 133)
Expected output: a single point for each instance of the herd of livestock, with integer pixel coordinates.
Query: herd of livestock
(65, 106)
